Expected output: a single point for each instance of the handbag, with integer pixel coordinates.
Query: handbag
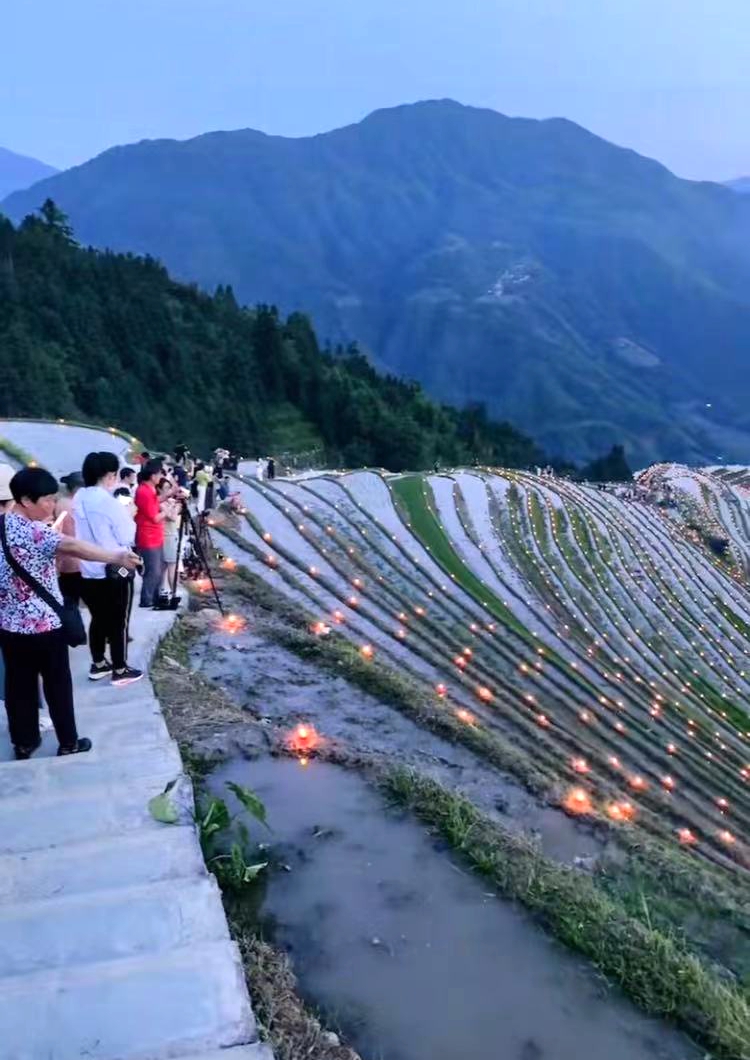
(68, 613)
(112, 571)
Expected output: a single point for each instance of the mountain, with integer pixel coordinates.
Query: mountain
(112, 339)
(741, 184)
(18, 171)
(579, 289)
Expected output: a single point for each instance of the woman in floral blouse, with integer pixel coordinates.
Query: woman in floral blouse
(31, 636)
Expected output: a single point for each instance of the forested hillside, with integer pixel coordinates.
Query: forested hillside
(112, 339)
(582, 291)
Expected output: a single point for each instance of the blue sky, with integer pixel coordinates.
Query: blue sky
(670, 78)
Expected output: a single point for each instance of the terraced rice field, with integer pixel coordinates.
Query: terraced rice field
(594, 635)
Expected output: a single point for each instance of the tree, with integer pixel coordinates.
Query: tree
(610, 468)
(56, 222)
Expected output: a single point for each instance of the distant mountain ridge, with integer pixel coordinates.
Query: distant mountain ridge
(580, 290)
(741, 184)
(18, 171)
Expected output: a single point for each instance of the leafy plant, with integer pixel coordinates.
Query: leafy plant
(225, 840)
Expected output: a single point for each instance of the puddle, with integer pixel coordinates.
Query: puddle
(408, 953)
(278, 685)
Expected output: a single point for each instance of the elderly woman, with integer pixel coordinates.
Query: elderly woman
(32, 639)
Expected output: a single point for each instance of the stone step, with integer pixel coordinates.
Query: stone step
(107, 730)
(81, 814)
(45, 776)
(158, 1007)
(109, 925)
(101, 864)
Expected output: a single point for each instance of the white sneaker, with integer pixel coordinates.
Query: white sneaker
(45, 723)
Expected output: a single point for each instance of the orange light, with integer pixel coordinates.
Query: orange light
(723, 804)
(267, 537)
(353, 601)
(466, 716)
(338, 617)
(484, 694)
(686, 837)
(320, 629)
(580, 765)
(419, 611)
(228, 563)
(614, 762)
(367, 651)
(271, 560)
(357, 583)
(619, 727)
(441, 690)
(585, 716)
(621, 811)
(400, 633)
(468, 653)
(203, 585)
(303, 739)
(578, 801)
(671, 749)
(727, 837)
(313, 571)
(637, 783)
(668, 783)
(233, 623)
(460, 662)
(543, 721)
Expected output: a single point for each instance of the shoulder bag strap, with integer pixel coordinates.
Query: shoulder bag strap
(24, 575)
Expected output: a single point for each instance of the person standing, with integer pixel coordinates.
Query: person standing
(68, 567)
(6, 504)
(270, 469)
(32, 638)
(107, 591)
(149, 532)
(128, 479)
(170, 506)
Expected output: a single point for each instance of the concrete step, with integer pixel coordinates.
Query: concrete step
(106, 729)
(101, 864)
(42, 777)
(159, 1007)
(82, 814)
(108, 925)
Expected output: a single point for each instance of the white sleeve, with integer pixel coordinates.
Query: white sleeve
(123, 524)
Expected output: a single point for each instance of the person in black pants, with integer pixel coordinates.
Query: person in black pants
(103, 521)
(31, 636)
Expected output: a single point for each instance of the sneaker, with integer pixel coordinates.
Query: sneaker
(24, 753)
(99, 670)
(79, 747)
(126, 676)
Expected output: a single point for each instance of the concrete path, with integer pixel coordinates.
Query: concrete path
(113, 940)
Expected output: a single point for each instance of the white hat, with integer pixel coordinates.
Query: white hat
(6, 474)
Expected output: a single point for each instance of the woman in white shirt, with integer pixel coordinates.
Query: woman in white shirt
(107, 592)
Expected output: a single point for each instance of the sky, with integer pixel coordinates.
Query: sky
(670, 78)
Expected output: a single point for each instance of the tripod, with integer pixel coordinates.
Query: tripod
(197, 563)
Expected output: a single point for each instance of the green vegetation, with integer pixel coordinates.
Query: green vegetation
(110, 338)
(653, 967)
(576, 288)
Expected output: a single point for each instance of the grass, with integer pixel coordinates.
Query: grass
(653, 967)
(15, 452)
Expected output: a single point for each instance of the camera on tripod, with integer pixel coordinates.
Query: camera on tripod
(193, 533)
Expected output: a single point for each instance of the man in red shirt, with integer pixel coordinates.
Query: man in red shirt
(149, 532)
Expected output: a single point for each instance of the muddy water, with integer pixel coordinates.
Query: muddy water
(276, 684)
(411, 955)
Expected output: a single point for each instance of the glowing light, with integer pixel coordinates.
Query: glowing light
(668, 782)
(468, 653)
(203, 585)
(543, 721)
(619, 727)
(585, 716)
(271, 560)
(303, 739)
(232, 623)
(578, 801)
(484, 694)
(441, 689)
(621, 811)
(637, 783)
(466, 716)
(228, 563)
(671, 749)
(686, 837)
(723, 804)
(357, 583)
(419, 611)
(353, 601)
(320, 629)
(367, 651)
(460, 662)
(313, 571)
(580, 765)
(727, 837)
(614, 762)
(400, 633)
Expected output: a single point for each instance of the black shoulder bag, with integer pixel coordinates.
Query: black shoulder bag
(69, 615)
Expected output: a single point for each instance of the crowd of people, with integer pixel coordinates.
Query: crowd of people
(83, 541)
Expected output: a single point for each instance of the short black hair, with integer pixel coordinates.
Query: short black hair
(32, 482)
(97, 465)
(150, 468)
(126, 472)
(121, 491)
(145, 455)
